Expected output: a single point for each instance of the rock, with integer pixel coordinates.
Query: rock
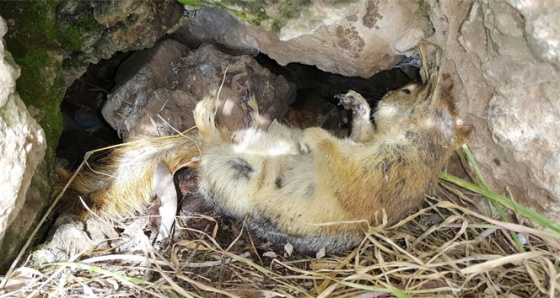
(506, 76)
(22, 142)
(542, 27)
(352, 38)
(94, 30)
(356, 38)
(72, 236)
(218, 27)
(137, 79)
(32, 40)
(158, 89)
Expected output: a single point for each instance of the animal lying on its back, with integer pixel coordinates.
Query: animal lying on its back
(305, 187)
(314, 190)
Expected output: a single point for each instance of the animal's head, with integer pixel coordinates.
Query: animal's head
(420, 109)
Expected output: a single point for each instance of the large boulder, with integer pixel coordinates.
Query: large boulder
(352, 38)
(504, 58)
(22, 147)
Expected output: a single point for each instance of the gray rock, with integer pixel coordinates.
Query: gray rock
(137, 79)
(218, 27)
(542, 27)
(508, 87)
(95, 30)
(353, 38)
(72, 236)
(159, 88)
(22, 142)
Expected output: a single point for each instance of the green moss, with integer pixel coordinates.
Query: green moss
(6, 245)
(41, 87)
(72, 33)
(71, 39)
(253, 12)
(190, 2)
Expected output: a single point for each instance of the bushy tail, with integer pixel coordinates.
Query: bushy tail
(120, 185)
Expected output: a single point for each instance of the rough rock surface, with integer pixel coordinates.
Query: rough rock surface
(542, 27)
(158, 88)
(72, 236)
(353, 38)
(94, 30)
(22, 141)
(505, 63)
(218, 27)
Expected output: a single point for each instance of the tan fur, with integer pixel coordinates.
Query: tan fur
(120, 184)
(306, 187)
(315, 190)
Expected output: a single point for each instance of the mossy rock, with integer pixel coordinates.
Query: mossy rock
(33, 41)
(268, 14)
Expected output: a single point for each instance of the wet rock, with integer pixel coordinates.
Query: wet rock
(22, 143)
(158, 89)
(506, 76)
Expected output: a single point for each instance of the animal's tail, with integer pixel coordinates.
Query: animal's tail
(120, 185)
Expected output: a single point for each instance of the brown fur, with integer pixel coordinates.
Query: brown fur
(330, 187)
(120, 184)
(306, 187)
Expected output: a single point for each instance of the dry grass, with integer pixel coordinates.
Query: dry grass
(444, 249)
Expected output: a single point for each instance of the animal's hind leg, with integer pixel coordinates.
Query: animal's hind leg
(205, 120)
(362, 129)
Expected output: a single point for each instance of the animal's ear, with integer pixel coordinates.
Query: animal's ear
(429, 89)
(464, 132)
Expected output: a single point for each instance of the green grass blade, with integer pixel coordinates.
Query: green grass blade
(505, 201)
(474, 165)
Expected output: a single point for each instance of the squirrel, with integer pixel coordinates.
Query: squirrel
(306, 187)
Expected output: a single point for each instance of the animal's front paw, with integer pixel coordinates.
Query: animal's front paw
(204, 114)
(205, 109)
(250, 108)
(355, 102)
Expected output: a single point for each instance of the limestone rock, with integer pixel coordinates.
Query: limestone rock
(137, 79)
(542, 27)
(72, 236)
(507, 83)
(22, 141)
(158, 89)
(352, 38)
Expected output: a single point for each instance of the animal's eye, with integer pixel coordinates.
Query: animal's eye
(406, 90)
